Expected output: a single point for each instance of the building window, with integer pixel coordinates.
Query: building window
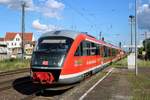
(17, 39)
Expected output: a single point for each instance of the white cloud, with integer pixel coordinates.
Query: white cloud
(52, 14)
(144, 16)
(52, 8)
(16, 4)
(38, 26)
(43, 28)
(48, 8)
(53, 4)
(4, 1)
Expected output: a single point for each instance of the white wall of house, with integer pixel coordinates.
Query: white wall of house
(14, 46)
(33, 39)
(28, 48)
(3, 42)
(3, 51)
(16, 42)
(3, 47)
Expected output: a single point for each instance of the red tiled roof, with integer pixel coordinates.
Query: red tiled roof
(27, 36)
(11, 35)
(1, 39)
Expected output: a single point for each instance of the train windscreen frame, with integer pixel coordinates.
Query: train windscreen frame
(51, 51)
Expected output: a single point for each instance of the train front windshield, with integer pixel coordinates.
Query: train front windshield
(51, 52)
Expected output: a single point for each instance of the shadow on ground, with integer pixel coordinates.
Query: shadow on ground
(25, 86)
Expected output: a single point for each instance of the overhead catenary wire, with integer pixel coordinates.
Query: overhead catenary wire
(90, 23)
(78, 12)
(85, 18)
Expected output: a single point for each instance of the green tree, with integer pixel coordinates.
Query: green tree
(140, 55)
(146, 44)
(140, 50)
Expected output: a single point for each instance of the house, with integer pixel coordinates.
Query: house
(2, 41)
(14, 43)
(28, 48)
(3, 46)
(3, 49)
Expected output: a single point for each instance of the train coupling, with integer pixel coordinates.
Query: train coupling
(43, 77)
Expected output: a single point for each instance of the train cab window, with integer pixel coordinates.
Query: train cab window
(82, 49)
(54, 44)
(79, 51)
(52, 50)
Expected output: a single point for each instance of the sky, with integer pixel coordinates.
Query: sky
(110, 17)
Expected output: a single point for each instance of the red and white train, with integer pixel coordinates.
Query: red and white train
(67, 57)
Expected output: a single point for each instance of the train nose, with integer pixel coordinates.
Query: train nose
(43, 77)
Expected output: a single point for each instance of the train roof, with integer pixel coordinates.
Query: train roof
(65, 33)
(74, 34)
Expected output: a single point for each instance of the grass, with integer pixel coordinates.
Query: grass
(140, 86)
(121, 63)
(12, 64)
(143, 63)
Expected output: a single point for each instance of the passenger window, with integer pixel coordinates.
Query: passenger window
(113, 52)
(98, 48)
(87, 49)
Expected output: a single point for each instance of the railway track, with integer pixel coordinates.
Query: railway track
(10, 83)
(21, 81)
(14, 72)
(52, 90)
(38, 92)
(34, 95)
